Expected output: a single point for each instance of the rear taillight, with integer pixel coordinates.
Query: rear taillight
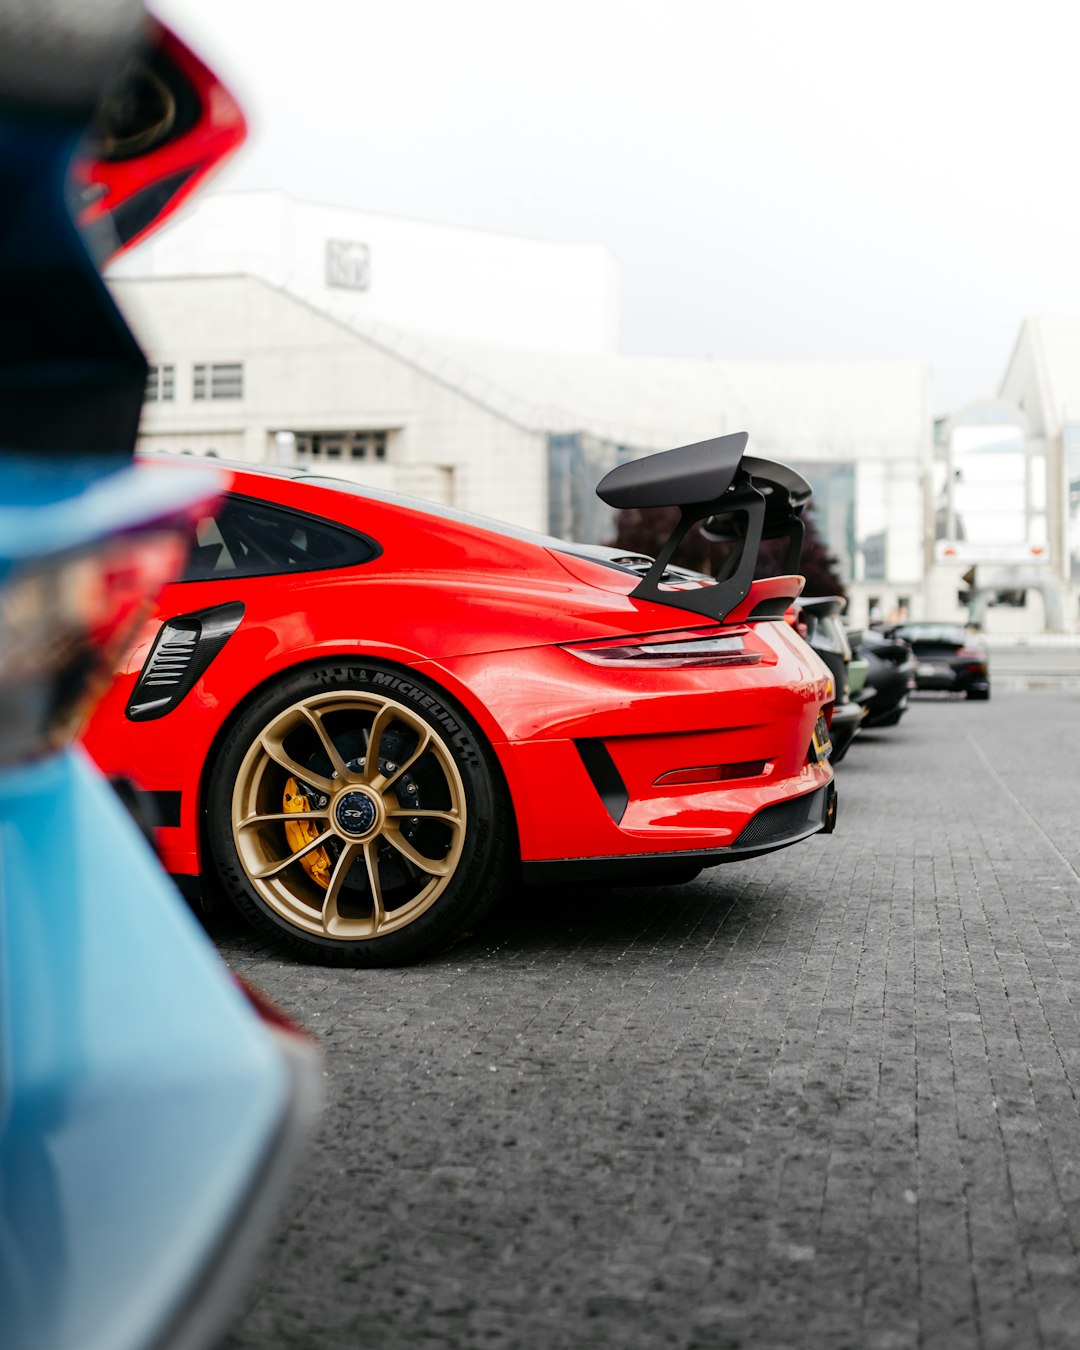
(674, 651)
(62, 622)
(972, 654)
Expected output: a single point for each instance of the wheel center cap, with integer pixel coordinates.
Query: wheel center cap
(355, 813)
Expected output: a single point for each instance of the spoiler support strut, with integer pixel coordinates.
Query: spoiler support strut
(741, 499)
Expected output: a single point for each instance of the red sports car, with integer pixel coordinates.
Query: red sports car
(364, 716)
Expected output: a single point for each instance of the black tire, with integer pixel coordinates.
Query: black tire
(463, 835)
(980, 695)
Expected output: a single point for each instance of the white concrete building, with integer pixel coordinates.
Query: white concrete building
(860, 431)
(1041, 387)
(413, 274)
(246, 370)
(1005, 493)
(243, 370)
(503, 395)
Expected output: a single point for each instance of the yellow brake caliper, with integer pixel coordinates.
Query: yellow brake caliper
(316, 862)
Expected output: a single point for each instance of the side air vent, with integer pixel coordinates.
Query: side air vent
(171, 658)
(182, 651)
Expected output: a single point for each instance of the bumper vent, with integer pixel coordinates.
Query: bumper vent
(784, 820)
(182, 650)
(605, 777)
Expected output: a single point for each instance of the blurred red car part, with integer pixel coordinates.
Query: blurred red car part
(164, 126)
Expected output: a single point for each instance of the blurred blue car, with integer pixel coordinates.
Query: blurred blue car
(148, 1113)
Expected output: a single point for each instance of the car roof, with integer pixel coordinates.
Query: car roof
(318, 478)
(241, 466)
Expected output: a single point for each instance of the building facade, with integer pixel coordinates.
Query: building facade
(442, 280)
(1041, 389)
(243, 371)
(503, 396)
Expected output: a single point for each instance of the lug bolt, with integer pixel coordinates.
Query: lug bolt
(411, 788)
(391, 767)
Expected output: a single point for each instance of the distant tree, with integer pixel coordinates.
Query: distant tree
(646, 530)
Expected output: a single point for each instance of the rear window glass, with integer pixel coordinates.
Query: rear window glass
(933, 632)
(245, 538)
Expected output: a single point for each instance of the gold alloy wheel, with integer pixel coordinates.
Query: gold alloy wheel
(386, 806)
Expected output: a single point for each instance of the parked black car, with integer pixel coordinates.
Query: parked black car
(947, 657)
(890, 679)
(818, 620)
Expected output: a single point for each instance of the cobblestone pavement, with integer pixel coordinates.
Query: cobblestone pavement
(821, 1099)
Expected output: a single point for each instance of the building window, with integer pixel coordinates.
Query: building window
(341, 445)
(161, 384)
(219, 380)
(873, 551)
(369, 445)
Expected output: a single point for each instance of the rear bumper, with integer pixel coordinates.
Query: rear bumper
(880, 713)
(945, 678)
(606, 764)
(934, 684)
(775, 827)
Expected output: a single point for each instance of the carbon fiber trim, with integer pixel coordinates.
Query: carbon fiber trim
(182, 650)
(810, 814)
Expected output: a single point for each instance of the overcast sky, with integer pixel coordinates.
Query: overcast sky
(784, 180)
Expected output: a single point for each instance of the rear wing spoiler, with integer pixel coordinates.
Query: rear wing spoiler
(740, 499)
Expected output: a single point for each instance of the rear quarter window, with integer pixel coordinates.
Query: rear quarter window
(247, 538)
